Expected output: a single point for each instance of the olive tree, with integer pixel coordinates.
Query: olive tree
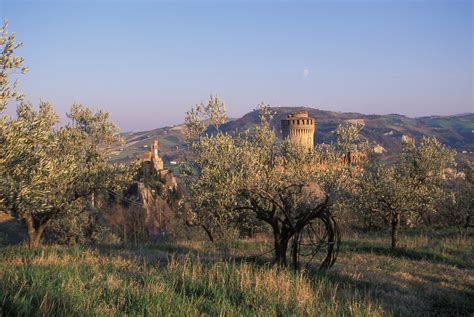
(458, 209)
(410, 188)
(47, 170)
(253, 176)
(213, 190)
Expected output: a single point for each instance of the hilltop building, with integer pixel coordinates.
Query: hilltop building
(157, 186)
(299, 128)
(152, 156)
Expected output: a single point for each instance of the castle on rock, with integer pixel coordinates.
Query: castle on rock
(152, 156)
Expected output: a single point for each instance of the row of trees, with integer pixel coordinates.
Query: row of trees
(414, 188)
(246, 180)
(239, 183)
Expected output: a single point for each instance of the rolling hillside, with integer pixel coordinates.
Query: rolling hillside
(455, 131)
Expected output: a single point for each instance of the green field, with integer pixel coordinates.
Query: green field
(431, 275)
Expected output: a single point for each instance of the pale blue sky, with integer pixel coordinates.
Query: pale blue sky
(147, 62)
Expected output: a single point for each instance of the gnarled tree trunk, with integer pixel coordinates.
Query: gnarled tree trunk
(34, 232)
(281, 241)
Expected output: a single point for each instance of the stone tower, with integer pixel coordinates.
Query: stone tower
(299, 128)
(152, 156)
(154, 148)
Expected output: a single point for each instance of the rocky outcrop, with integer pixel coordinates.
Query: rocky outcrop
(157, 212)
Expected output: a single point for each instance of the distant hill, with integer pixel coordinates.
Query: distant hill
(170, 144)
(456, 131)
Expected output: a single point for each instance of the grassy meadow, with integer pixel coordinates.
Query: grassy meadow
(430, 275)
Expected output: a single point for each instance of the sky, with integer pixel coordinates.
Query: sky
(148, 62)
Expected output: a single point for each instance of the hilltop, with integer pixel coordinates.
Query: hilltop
(456, 131)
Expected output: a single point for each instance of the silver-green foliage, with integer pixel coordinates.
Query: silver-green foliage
(48, 170)
(10, 64)
(411, 188)
(252, 177)
(459, 207)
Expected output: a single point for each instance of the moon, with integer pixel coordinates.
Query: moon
(305, 73)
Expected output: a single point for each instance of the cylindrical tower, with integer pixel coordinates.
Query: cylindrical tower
(154, 147)
(299, 128)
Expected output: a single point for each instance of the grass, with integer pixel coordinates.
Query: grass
(430, 276)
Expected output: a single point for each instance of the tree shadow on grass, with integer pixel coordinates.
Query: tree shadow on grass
(12, 231)
(411, 254)
(159, 253)
(400, 296)
(143, 248)
(422, 295)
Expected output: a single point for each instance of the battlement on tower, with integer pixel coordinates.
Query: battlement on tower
(299, 128)
(298, 114)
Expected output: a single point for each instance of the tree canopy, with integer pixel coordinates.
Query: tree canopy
(411, 187)
(253, 176)
(48, 169)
